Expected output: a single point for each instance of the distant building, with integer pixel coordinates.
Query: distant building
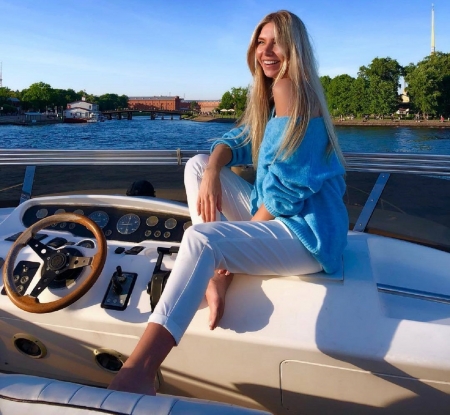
(403, 104)
(208, 106)
(80, 111)
(15, 102)
(154, 103)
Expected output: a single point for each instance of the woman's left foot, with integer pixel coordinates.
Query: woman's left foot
(215, 296)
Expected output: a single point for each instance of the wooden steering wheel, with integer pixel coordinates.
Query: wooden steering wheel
(56, 261)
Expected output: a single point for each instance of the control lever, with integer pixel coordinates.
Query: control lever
(159, 278)
(117, 280)
(119, 290)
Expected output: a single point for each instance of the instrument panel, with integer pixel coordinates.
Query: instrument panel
(121, 224)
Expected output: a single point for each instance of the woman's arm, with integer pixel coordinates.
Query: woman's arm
(283, 94)
(262, 214)
(210, 192)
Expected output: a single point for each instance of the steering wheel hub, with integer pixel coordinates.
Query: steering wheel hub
(57, 261)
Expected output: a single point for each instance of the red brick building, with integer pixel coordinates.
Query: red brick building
(154, 103)
(169, 103)
(208, 106)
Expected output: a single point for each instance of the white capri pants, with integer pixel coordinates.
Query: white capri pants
(235, 244)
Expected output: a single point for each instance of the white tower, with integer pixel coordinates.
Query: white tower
(433, 49)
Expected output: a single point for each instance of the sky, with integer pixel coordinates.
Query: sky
(197, 49)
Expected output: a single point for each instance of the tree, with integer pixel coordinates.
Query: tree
(39, 95)
(227, 101)
(429, 84)
(5, 94)
(339, 91)
(235, 99)
(382, 77)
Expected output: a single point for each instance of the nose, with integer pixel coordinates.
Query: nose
(267, 48)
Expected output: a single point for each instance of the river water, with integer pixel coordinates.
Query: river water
(143, 133)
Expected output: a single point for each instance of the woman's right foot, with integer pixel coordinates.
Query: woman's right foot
(215, 296)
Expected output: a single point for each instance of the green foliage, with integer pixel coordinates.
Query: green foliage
(382, 78)
(235, 99)
(5, 93)
(429, 84)
(39, 95)
(110, 101)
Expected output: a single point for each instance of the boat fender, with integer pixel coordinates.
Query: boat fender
(157, 283)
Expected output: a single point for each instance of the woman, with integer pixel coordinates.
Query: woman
(291, 222)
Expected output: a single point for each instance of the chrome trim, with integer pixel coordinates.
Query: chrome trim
(96, 157)
(371, 203)
(418, 294)
(398, 163)
(27, 184)
(366, 162)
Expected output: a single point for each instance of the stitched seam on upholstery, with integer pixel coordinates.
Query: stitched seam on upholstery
(44, 388)
(189, 280)
(35, 402)
(106, 397)
(173, 406)
(73, 394)
(134, 406)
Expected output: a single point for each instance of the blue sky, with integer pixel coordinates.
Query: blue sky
(196, 49)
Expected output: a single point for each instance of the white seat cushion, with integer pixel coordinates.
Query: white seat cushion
(24, 395)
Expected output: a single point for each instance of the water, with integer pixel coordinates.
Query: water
(143, 133)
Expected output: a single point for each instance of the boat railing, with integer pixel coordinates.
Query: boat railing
(430, 164)
(388, 194)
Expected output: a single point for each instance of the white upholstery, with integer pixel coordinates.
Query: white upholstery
(24, 395)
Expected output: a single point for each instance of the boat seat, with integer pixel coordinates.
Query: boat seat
(24, 395)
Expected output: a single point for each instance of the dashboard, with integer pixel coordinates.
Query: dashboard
(117, 223)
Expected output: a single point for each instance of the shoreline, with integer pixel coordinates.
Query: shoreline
(20, 120)
(352, 123)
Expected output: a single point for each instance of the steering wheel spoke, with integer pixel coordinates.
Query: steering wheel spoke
(42, 250)
(79, 262)
(43, 283)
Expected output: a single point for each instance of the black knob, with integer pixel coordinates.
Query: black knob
(116, 285)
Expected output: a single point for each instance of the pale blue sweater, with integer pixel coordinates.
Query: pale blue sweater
(304, 191)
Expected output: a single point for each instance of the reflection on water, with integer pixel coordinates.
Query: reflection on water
(395, 139)
(143, 133)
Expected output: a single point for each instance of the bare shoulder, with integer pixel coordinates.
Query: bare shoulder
(283, 93)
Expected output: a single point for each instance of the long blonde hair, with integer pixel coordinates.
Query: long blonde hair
(300, 67)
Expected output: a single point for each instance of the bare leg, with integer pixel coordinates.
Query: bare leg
(139, 371)
(215, 297)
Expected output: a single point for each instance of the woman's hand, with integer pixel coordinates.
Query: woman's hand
(210, 195)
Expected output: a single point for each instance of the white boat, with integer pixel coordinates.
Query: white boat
(96, 116)
(373, 337)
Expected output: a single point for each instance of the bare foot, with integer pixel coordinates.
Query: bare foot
(215, 296)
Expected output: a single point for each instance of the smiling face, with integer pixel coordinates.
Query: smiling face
(268, 53)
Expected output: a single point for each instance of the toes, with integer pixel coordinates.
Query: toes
(215, 313)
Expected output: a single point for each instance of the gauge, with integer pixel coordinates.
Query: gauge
(187, 225)
(157, 234)
(86, 243)
(100, 218)
(170, 223)
(128, 223)
(148, 233)
(41, 213)
(166, 234)
(58, 211)
(79, 212)
(151, 221)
